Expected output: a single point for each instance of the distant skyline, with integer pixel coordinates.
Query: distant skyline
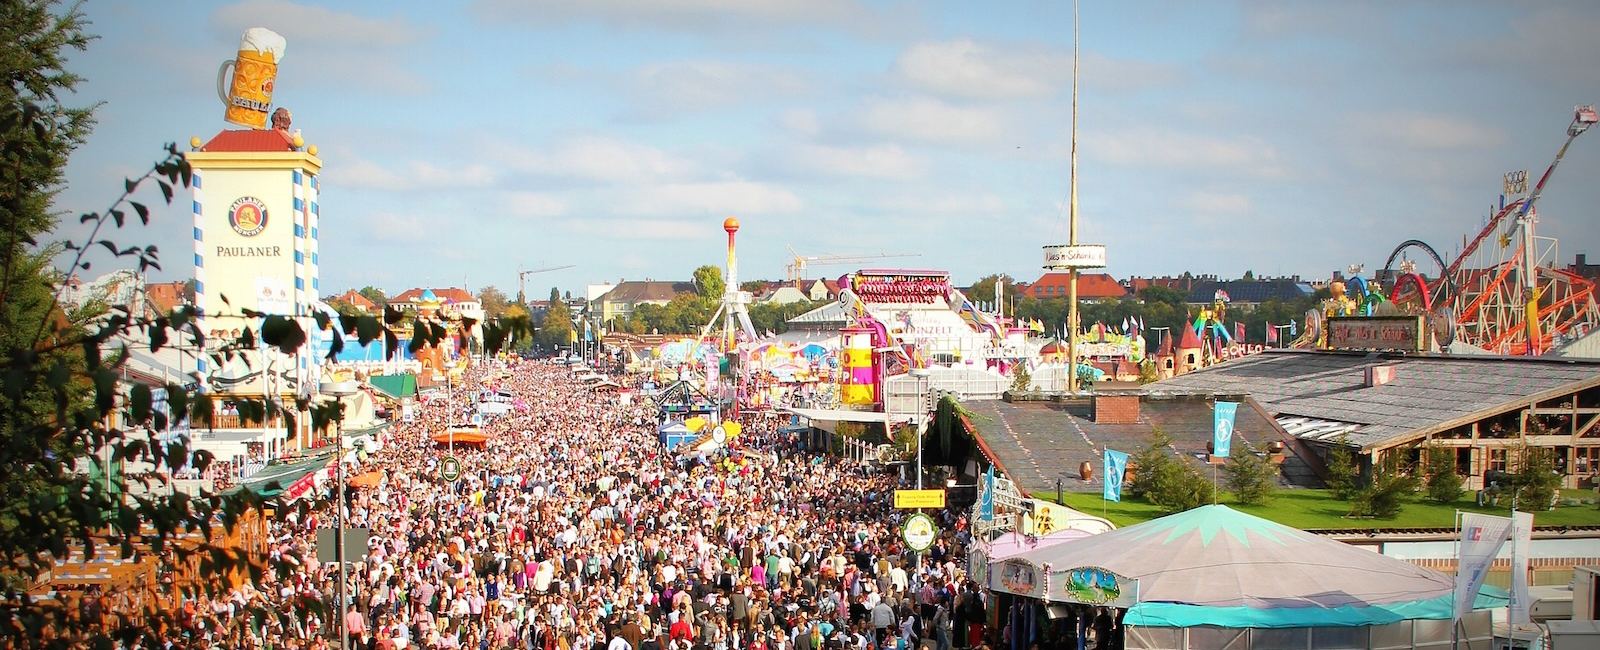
(464, 142)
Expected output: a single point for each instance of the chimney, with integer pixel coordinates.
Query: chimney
(1379, 375)
(1116, 408)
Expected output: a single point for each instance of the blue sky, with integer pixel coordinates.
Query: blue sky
(462, 141)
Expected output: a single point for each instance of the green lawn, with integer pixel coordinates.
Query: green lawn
(1313, 509)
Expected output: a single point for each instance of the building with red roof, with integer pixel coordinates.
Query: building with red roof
(1092, 287)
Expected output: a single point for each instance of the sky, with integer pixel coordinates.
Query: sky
(462, 142)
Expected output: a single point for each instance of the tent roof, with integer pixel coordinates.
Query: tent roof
(1214, 565)
(396, 386)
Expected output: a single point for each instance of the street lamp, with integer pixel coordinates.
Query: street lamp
(339, 390)
(921, 375)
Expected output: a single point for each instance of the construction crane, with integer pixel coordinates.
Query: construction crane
(798, 263)
(522, 277)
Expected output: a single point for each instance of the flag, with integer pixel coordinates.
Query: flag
(1222, 429)
(986, 497)
(1521, 540)
(1141, 323)
(1481, 539)
(1238, 331)
(1116, 464)
(1124, 324)
(1293, 329)
(1272, 334)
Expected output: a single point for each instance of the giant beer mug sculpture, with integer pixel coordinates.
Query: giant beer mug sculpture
(248, 94)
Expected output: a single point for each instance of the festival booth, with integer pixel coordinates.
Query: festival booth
(1213, 577)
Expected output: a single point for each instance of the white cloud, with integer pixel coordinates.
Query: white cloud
(1217, 203)
(969, 69)
(594, 158)
(882, 161)
(965, 68)
(415, 175)
(801, 121)
(935, 203)
(1427, 131)
(683, 15)
(648, 229)
(931, 120)
(304, 24)
(1162, 147)
(703, 85)
(714, 197)
(534, 205)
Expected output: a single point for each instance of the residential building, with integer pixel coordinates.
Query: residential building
(1092, 287)
(1249, 293)
(784, 295)
(163, 297)
(622, 299)
(355, 299)
(453, 301)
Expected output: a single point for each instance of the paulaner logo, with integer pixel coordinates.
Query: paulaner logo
(248, 216)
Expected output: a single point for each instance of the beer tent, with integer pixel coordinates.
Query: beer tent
(1214, 577)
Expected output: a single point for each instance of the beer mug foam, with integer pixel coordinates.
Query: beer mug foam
(248, 95)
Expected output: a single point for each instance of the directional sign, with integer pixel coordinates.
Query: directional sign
(919, 498)
(450, 469)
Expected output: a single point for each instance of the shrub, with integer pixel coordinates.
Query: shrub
(1384, 496)
(1148, 462)
(1343, 475)
(1536, 482)
(1250, 477)
(1443, 484)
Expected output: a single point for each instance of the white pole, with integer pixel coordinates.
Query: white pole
(338, 506)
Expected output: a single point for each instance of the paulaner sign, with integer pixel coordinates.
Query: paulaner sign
(249, 251)
(1076, 256)
(1376, 333)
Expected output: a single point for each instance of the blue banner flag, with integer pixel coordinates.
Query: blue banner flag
(986, 499)
(1116, 466)
(1222, 429)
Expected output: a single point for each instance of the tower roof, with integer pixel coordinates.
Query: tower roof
(1190, 339)
(1166, 345)
(249, 140)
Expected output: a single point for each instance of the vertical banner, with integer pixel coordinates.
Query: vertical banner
(986, 498)
(1481, 539)
(1521, 543)
(1116, 465)
(1222, 429)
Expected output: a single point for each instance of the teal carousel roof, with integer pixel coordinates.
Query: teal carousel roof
(1217, 566)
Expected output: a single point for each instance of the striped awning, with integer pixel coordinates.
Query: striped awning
(1316, 429)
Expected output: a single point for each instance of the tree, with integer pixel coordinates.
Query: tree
(1148, 374)
(494, 301)
(1343, 475)
(188, 291)
(1443, 483)
(1535, 481)
(983, 289)
(376, 295)
(1384, 496)
(1249, 276)
(1251, 478)
(1148, 461)
(558, 328)
(708, 283)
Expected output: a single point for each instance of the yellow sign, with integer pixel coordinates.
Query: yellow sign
(919, 498)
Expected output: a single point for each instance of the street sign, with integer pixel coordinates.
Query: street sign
(450, 469)
(919, 532)
(919, 498)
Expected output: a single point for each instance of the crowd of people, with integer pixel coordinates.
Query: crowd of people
(575, 528)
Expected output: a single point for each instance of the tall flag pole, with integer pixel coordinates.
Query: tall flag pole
(1072, 220)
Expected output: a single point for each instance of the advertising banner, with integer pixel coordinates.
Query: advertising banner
(1481, 539)
(1222, 429)
(1116, 464)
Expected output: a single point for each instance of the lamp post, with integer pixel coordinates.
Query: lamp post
(339, 390)
(921, 374)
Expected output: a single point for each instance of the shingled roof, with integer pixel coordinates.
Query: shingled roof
(1429, 393)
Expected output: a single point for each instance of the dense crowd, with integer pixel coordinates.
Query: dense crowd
(574, 528)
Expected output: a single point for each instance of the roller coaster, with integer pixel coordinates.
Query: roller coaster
(1504, 294)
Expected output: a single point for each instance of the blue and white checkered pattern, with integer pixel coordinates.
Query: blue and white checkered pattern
(199, 268)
